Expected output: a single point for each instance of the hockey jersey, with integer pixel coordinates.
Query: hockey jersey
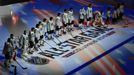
(82, 13)
(108, 14)
(58, 21)
(70, 16)
(114, 15)
(50, 25)
(13, 42)
(37, 33)
(24, 40)
(44, 27)
(89, 12)
(65, 18)
(7, 50)
(32, 36)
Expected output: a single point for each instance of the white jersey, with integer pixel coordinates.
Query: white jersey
(108, 13)
(121, 9)
(37, 33)
(82, 13)
(32, 36)
(114, 15)
(70, 16)
(80, 25)
(89, 12)
(44, 26)
(50, 25)
(58, 21)
(41, 31)
(118, 12)
(65, 18)
(13, 42)
(24, 40)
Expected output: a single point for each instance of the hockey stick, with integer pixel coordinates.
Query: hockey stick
(70, 33)
(51, 46)
(41, 49)
(15, 69)
(53, 52)
(71, 43)
(54, 41)
(21, 65)
(56, 48)
(81, 29)
(46, 53)
(59, 41)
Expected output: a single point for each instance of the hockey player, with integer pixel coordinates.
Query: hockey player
(98, 22)
(108, 16)
(121, 9)
(114, 15)
(41, 40)
(118, 12)
(59, 24)
(31, 40)
(70, 18)
(32, 35)
(14, 45)
(24, 41)
(13, 42)
(65, 20)
(44, 25)
(7, 51)
(37, 32)
(81, 26)
(41, 28)
(50, 28)
(89, 14)
(82, 17)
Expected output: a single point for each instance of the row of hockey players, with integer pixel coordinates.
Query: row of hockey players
(28, 42)
(113, 15)
(116, 15)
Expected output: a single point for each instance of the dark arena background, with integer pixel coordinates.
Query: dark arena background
(7, 2)
(91, 37)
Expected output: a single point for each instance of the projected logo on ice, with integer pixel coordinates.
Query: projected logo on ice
(70, 46)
